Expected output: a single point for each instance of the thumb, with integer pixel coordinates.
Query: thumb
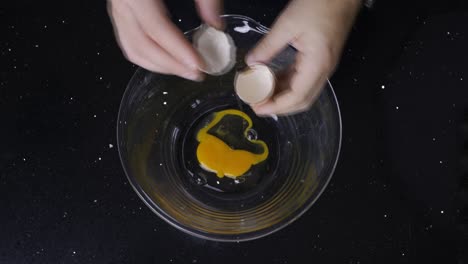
(271, 44)
(210, 11)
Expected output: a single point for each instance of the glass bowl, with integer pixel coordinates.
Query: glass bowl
(158, 119)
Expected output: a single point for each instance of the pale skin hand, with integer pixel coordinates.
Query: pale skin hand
(318, 30)
(149, 39)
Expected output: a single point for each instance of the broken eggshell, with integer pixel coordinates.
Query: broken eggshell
(216, 48)
(255, 84)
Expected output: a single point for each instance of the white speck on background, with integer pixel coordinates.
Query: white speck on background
(434, 139)
(164, 92)
(111, 146)
(217, 182)
(95, 201)
(440, 162)
(383, 87)
(442, 211)
(180, 20)
(99, 158)
(385, 215)
(164, 103)
(396, 107)
(94, 116)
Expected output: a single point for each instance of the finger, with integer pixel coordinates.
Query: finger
(272, 43)
(281, 103)
(308, 81)
(141, 50)
(153, 20)
(119, 14)
(210, 12)
(305, 85)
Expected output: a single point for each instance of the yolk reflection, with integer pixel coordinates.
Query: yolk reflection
(216, 156)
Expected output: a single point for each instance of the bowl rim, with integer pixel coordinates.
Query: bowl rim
(172, 221)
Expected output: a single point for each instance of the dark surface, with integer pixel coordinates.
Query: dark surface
(399, 194)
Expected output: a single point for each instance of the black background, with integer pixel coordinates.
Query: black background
(399, 194)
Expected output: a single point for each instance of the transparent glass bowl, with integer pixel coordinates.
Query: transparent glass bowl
(157, 119)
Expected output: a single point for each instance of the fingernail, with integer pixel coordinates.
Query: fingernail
(194, 76)
(193, 66)
(250, 59)
(261, 111)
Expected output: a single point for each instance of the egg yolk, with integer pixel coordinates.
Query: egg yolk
(216, 156)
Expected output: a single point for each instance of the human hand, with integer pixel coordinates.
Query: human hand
(149, 39)
(318, 30)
